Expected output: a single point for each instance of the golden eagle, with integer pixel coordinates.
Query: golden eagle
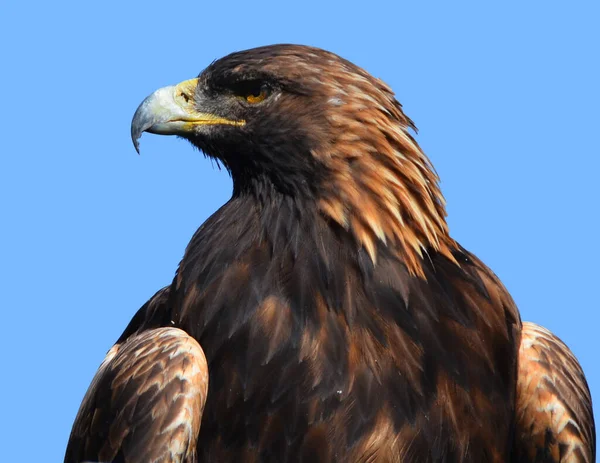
(324, 313)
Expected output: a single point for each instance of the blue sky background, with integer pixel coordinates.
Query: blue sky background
(506, 98)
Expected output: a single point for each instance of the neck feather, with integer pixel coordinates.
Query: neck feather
(383, 188)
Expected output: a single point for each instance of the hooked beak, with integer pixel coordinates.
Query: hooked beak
(173, 111)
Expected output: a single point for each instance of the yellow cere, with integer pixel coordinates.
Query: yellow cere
(184, 91)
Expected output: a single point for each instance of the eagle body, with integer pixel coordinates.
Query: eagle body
(315, 354)
(324, 314)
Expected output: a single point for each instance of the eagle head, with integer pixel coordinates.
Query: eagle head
(308, 124)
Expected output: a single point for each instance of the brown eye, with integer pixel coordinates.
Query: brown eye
(257, 98)
(252, 92)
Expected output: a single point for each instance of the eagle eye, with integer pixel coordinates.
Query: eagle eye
(253, 91)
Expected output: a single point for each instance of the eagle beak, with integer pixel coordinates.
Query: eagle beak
(173, 111)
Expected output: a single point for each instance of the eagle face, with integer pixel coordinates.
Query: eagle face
(247, 110)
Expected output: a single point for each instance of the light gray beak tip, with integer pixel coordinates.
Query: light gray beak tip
(139, 124)
(136, 144)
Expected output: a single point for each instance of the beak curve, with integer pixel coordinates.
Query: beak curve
(171, 111)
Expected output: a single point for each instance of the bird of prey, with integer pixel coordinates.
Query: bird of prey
(324, 313)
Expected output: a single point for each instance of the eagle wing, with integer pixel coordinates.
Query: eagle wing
(145, 402)
(554, 408)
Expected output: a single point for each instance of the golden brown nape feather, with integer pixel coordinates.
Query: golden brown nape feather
(382, 187)
(145, 402)
(554, 420)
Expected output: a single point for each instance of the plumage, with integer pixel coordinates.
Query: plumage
(339, 319)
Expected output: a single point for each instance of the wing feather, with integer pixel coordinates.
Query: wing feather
(554, 406)
(145, 403)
